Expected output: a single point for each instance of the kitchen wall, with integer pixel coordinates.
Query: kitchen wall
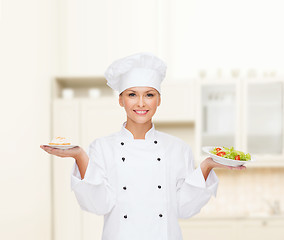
(189, 35)
(253, 192)
(28, 61)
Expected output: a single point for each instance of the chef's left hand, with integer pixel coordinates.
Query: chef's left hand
(212, 164)
(208, 164)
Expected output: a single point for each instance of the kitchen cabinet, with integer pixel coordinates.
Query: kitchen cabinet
(261, 229)
(213, 230)
(244, 113)
(264, 119)
(129, 30)
(233, 228)
(177, 103)
(100, 117)
(83, 35)
(95, 33)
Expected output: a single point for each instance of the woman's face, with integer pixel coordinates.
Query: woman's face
(140, 103)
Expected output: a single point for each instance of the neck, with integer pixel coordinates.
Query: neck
(138, 130)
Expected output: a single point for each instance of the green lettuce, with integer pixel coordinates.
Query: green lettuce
(231, 153)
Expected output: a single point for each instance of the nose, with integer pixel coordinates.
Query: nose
(141, 102)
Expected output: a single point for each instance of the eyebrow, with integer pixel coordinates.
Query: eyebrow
(146, 91)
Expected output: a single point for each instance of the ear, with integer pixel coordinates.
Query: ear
(159, 100)
(120, 101)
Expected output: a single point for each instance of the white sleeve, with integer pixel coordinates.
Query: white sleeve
(94, 193)
(193, 192)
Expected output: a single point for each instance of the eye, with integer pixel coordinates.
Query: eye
(131, 94)
(150, 95)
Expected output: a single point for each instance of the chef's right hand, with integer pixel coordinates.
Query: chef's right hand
(71, 152)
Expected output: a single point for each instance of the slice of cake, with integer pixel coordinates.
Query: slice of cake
(60, 141)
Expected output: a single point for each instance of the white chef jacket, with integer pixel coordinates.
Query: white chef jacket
(142, 186)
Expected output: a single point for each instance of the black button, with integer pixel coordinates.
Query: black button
(123, 159)
(159, 159)
(124, 188)
(125, 216)
(160, 215)
(122, 143)
(155, 142)
(159, 186)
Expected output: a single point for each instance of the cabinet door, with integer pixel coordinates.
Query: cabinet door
(177, 103)
(264, 118)
(100, 117)
(213, 230)
(129, 31)
(84, 32)
(218, 123)
(66, 211)
(261, 229)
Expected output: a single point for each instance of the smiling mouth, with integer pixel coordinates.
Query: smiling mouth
(144, 112)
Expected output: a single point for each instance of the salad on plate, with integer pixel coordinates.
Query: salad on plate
(231, 153)
(227, 156)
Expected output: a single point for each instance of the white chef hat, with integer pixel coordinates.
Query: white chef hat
(137, 70)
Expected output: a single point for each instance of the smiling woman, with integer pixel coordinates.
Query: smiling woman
(140, 179)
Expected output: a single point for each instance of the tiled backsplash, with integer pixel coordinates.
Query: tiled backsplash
(249, 192)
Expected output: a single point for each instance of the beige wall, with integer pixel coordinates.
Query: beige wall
(27, 62)
(254, 192)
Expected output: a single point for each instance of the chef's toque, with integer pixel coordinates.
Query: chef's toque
(138, 70)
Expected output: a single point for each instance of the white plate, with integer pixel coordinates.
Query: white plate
(222, 160)
(61, 146)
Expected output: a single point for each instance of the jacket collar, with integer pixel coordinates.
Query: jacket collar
(126, 134)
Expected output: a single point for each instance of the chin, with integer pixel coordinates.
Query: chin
(141, 120)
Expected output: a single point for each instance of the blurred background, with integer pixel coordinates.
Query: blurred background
(224, 86)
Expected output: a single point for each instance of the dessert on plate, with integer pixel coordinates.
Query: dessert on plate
(60, 141)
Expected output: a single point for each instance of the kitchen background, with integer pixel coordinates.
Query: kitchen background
(224, 85)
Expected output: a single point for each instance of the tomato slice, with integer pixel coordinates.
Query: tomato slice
(237, 157)
(221, 154)
(218, 149)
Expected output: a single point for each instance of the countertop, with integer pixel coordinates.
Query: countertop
(236, 217)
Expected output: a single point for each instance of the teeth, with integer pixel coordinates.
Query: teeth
(141, 111)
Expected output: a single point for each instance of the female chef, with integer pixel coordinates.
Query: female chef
(142, 180)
